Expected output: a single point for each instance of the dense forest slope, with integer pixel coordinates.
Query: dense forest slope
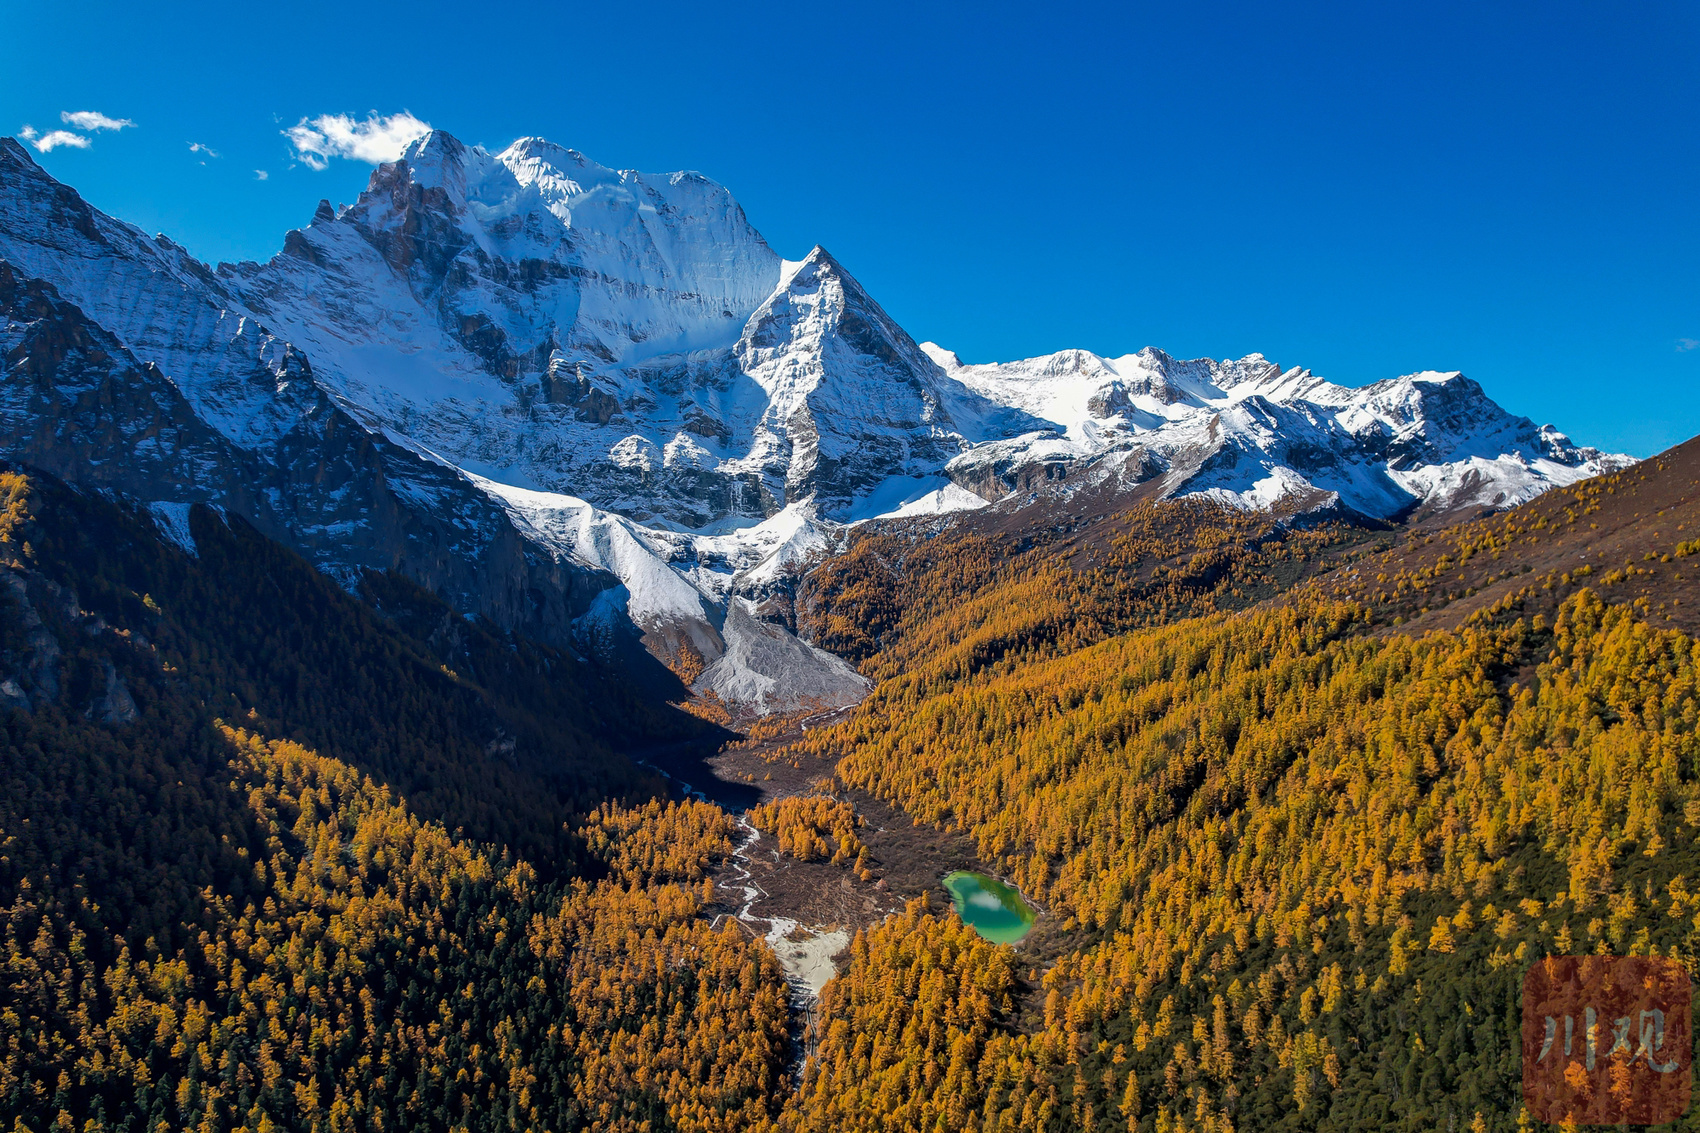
(1304, 857)
(207, 924)
(1293, 857)
(479, 728)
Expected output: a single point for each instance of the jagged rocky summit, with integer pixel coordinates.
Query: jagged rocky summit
(593, 404)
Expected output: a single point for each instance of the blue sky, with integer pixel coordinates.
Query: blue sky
(1506, 189)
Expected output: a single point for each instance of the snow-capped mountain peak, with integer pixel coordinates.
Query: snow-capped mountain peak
(1249, 432)
(554, 390)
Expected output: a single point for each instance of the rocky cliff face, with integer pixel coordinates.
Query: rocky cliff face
(128, 367)
(623, 339)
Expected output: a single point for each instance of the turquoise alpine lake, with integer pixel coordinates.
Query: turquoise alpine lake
(994, 910)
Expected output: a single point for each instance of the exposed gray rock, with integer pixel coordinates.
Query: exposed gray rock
(115, 707)
(768, 668)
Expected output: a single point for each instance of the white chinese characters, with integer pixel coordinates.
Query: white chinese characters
(1652, 1038)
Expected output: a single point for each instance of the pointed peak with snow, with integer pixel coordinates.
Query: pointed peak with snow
(817, 264)
(946, 360)
(13, 150)
(535, 148)
(434, 149)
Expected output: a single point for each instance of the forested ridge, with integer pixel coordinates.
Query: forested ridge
(894, 598)
(1631, 534)
(1303, 858)
(1294, 859)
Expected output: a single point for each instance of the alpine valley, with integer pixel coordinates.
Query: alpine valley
(527, 655)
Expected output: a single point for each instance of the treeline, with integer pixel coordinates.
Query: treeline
(1622, 532)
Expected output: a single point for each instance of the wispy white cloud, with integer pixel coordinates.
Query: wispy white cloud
(92, 120)
(376, 138)
(53, 139)
(1684, 345)
(198, 147)
(261, 175)
(88, 120)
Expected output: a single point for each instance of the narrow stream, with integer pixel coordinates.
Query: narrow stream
(807, 960)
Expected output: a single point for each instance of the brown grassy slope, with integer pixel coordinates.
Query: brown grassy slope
(900, 594)
(1618, 533)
